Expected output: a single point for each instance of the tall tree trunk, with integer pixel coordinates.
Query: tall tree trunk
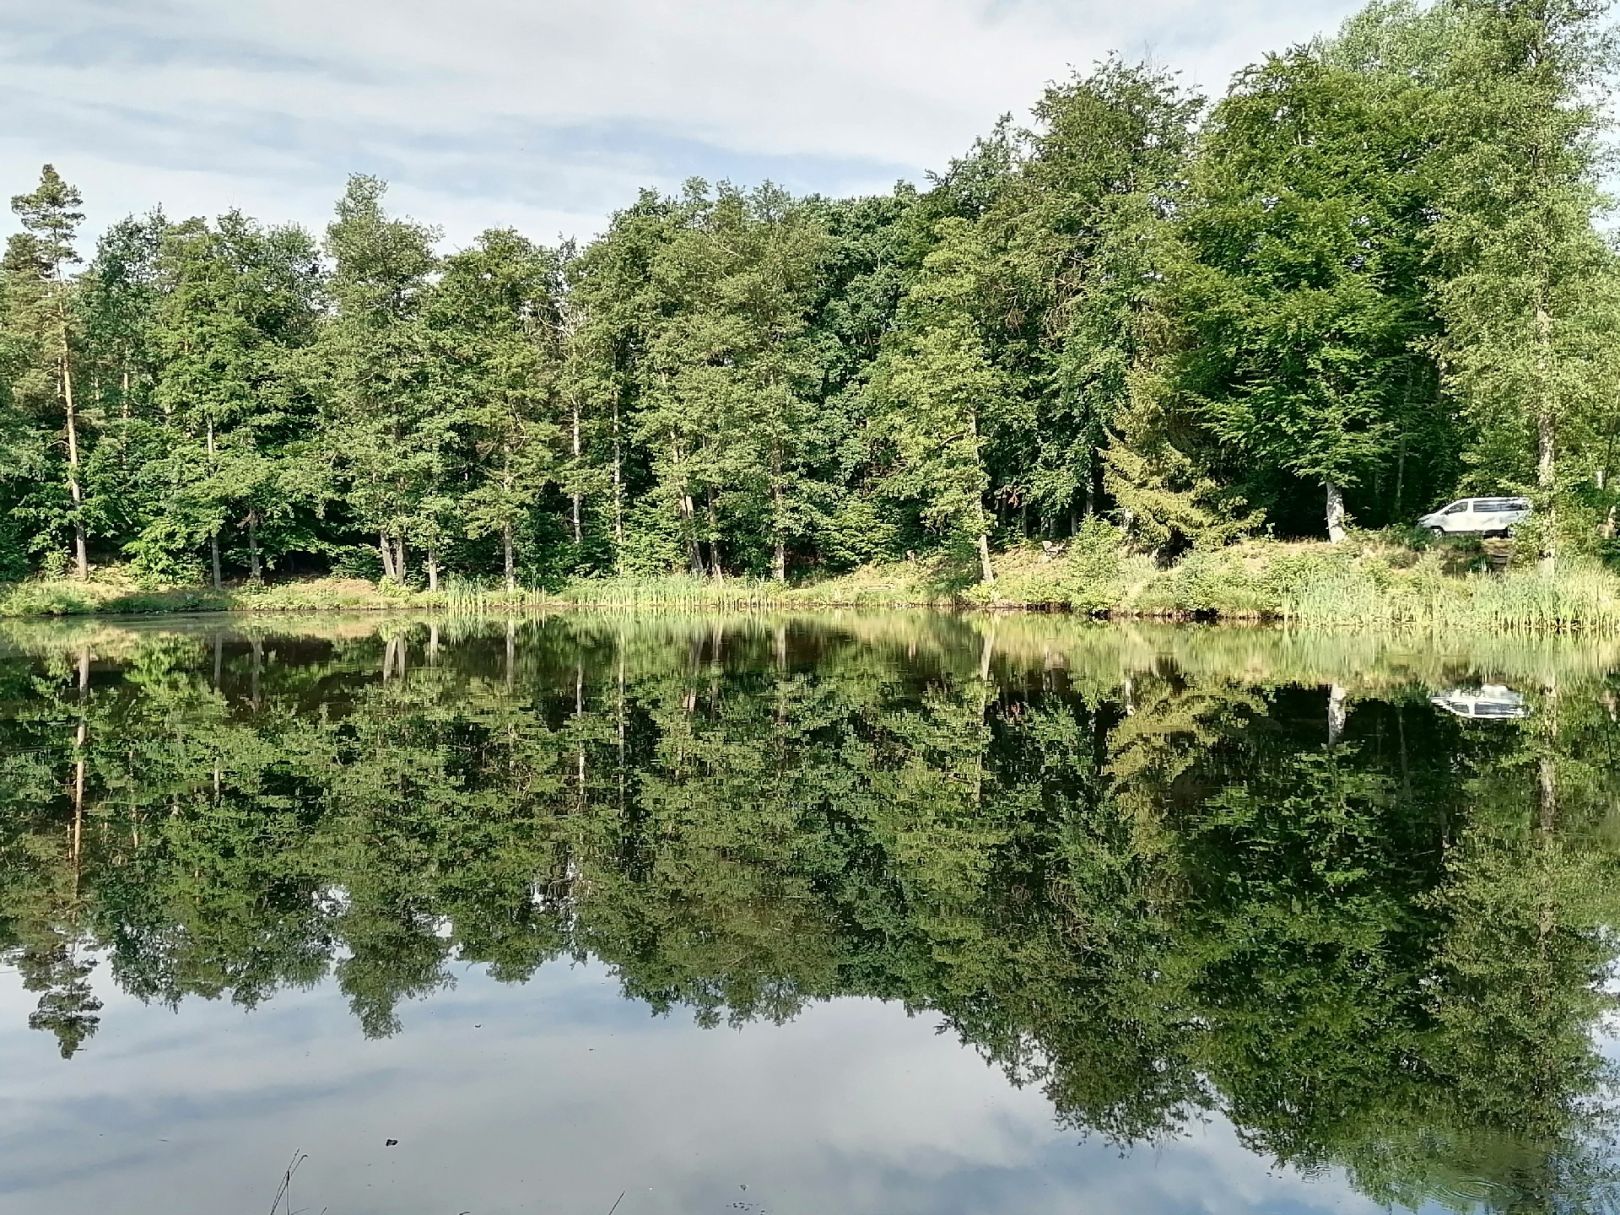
(1547, 482)
(1335, 511)
(400, 566)
(618, 493)
(1546, 442)
(81, 547)
(387, 551)
(619, 716)
(1546, 768)
(717, 569)
(508, 546)
(1400, 480)
(579, 714)
(433, 567)
(688, 512)
(81, 744)
(694, 556)
(574, 498)
(987, 572)
(508, 563)
(255, 571)
(778, 522)
(213, 536)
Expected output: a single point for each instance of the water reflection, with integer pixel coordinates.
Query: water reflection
(1155, 877)
(1489, 702)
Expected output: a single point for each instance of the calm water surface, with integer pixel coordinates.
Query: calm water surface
(880, 914)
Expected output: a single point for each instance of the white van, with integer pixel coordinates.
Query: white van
(1490, 702)
(1477, 516)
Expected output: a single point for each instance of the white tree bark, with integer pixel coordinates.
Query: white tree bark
(1335, 512)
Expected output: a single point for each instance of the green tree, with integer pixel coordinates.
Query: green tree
(940, 397)
(239, 301)
(1522, 264)
(1087, 228)
(375, 351)
(1306, 298)
(42, 313)
(496, 325)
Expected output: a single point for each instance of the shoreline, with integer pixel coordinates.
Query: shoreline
(1367, 583)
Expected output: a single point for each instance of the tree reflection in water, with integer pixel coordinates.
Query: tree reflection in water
(1155, 872)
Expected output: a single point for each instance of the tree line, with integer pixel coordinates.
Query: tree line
(1370, 935)
(1370, 276)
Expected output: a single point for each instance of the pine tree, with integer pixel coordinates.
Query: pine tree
(41, 312)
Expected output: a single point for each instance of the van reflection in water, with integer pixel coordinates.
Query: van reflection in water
(1489, 702)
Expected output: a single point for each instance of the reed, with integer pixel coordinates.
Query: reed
(1350, 586)
(675, 591)
(470, 597)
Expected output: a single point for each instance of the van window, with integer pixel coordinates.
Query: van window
(1456, 508)
(1491, 505)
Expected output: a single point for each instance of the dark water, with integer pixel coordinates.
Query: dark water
(863, 914)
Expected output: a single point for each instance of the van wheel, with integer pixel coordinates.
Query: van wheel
(1437, 531)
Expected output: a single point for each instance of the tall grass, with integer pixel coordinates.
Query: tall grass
(469, 597)
(1349, 586)
(675, 591)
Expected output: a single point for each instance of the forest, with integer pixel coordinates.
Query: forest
(1155, 877)
(1373, 275)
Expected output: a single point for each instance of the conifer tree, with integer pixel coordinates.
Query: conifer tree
(41, 313)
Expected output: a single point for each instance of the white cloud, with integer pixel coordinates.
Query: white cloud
(550, 114)
(555, 1096)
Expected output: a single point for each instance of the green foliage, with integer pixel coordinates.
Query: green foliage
(1369, 277)
(495, 320)
(1306, 305)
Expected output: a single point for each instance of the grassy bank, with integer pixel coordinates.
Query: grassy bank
(114, 593)
(1364, 583)
(1359, 583)
(1356, 584)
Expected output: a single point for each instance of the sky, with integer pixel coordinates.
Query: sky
(556, 1096)
(548, 115)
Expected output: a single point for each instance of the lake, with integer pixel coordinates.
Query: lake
(852, 913)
